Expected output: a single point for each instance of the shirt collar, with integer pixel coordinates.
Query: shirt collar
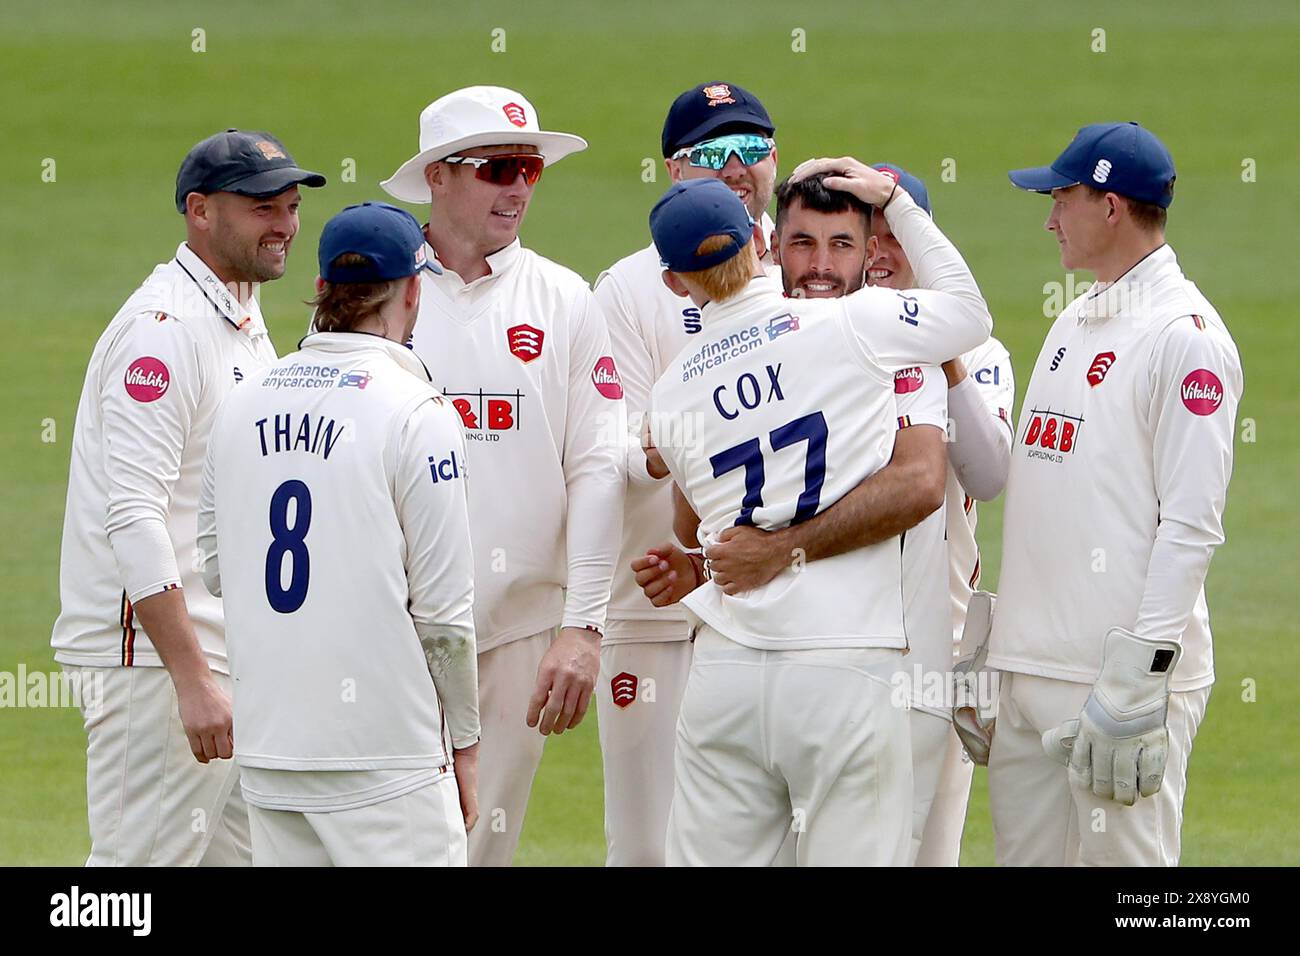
(243, 318)
(758, 287)
(341, 342)
(498, 262)
(1105, 300)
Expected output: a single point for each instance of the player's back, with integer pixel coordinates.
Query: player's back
(329, 670)
(769, 416)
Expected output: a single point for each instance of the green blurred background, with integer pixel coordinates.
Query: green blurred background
(115, 95)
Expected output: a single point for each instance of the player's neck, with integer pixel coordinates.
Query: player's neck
(1123, 256)
(459, 254)
(243, 289)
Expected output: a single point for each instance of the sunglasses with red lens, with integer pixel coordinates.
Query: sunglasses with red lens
(503, 170)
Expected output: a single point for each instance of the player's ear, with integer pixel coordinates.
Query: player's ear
(674, 170)
(411, 294)
(320, 284)
(873, 249)
(197, 210)
(674, 283)
(433, 176)
(775, 247)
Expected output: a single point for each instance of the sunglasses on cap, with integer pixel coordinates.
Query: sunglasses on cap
(714, 153)
(503, 170)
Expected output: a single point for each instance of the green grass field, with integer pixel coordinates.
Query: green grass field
(115, 94)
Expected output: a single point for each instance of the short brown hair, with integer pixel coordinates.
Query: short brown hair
(342, 306)
(726, 279)
(1147, 215)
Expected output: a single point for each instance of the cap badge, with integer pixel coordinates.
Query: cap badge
(515, 113)
(1102, 172)
(269, 150)
(719, 94)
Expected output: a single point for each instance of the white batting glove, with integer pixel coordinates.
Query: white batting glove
(1118, 746)
(973, 713)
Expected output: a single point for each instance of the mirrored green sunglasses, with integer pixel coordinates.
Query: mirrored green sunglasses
(714, 153)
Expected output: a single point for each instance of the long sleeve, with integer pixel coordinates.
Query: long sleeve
(635, 368)
(1196, 384)
(151, 386)
(434, 516)
(980, 408)
(595, 467)
(929, 325)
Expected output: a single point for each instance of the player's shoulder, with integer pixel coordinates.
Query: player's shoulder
(1188, 332)
(633, 269)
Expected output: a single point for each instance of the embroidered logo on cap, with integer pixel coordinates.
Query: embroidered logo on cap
(1102, 172)
(515, 113)
(719, 94)
(269, 150)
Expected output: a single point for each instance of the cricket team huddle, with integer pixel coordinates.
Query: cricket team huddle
(338, 600)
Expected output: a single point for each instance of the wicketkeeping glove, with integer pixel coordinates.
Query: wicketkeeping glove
(974, 713)
(1118, 746)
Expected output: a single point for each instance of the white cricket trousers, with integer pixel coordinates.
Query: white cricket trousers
(149, 802)
(770, 741)
(638, 732)
(420, 828)
(510, 751)
(1040, 820)
(940, 788)
(942, 826)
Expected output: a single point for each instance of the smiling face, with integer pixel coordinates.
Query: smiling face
(753, 184)
(249, 237)
(486, 217)
(887, 264)
(1078, 220)
(822, 255)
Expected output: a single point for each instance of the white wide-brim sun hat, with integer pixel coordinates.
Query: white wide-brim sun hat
(475, 116)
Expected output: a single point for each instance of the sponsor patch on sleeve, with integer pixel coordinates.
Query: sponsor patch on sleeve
(147, 379)
(605, 377)
(908, 380)
(1202, 392)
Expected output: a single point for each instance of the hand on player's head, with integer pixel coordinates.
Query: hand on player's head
(849, 175)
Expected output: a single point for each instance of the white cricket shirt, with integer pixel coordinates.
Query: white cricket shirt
(648, 326)
(337, 486)
(524, 356)
(781, 406)
(155, 379)
(1119, 474)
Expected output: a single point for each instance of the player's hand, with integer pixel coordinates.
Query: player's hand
(465, 765)
(654, 462)
(851, 176)
(665, 575)
(207, 719)
(745, 557)
(1118, 746)
(565, 680)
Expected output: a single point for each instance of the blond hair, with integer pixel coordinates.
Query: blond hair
(726, 279)
(342, 306)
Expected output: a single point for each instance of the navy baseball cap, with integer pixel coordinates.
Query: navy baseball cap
(1119, 158)
(703, 109)
(911, 184)
(389, 237)
(689, 213)
(251, 164)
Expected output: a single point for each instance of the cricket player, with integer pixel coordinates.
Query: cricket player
(1115, 500)
(134, 612)
(519, 346)
(334, 523)
(795, 403)
(712, 131)
(825, 249)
